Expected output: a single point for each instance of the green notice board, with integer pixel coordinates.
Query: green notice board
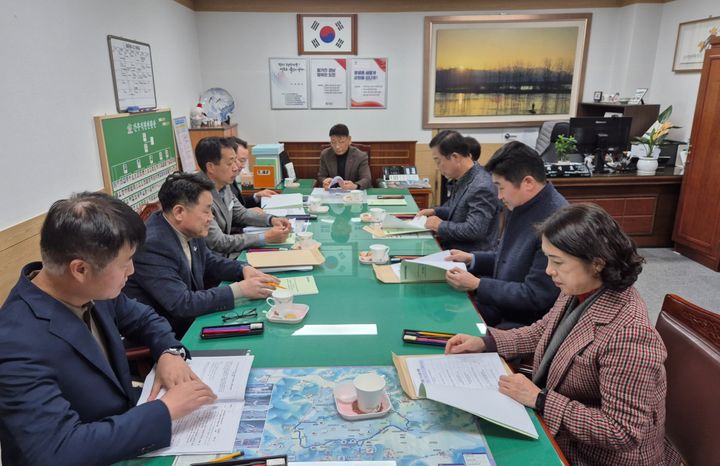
(137, 153)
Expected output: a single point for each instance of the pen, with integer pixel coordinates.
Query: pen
(429, 334)
(226, 457)
(276, 285)
(426, 341)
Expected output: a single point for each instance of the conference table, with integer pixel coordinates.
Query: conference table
(349, 293)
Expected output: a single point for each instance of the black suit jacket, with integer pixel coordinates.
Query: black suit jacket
(163, 280)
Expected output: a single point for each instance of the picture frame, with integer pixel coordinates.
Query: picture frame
(638, 97)
(471, 79)
(693, 38)
(327, 34)
(597, 96)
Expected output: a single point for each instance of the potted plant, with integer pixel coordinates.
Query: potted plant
(651, 141)
(565, 145)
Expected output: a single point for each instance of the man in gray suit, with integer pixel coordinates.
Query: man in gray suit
(342, 159)
(216, 158)
(468, 220)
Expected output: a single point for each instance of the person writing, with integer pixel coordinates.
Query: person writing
(342, 159)
(65, 389)
(217, 160)
(598, 375)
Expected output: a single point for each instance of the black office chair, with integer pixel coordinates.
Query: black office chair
(549, 132)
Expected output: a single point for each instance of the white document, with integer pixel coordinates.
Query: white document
(282, 201)
(338, 329)
(342, 463)
(427, 268)
(470, 382)
(437, 260)
(392, 222)
(211, 428)
(293, 268)
(286, 212)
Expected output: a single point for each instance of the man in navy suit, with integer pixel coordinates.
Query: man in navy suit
(65, 389)
(174, 265)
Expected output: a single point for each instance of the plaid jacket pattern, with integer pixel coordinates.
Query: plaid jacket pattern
(606, 385)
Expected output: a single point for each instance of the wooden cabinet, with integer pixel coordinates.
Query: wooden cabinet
(224, 131)
(697, 226)
(643, 116)
(643, 205)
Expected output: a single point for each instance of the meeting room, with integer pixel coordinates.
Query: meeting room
(373, 233)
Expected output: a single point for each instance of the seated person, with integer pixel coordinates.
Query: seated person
(216, 158)
(242, 155)
(174, 264)
(468, 220)
(510, 284)
(342, 159)
(65, 389)
(598, 364)
(473, 147)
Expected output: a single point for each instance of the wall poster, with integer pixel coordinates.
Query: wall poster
(328, 83)
(368, 83)
(288, 83)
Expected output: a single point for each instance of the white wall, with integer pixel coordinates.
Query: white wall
(234, 51)
(56, 76)
(677, 89)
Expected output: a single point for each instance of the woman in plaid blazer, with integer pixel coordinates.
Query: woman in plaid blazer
(598, 375)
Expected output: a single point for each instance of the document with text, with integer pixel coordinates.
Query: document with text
(212, 428)
(465, 381)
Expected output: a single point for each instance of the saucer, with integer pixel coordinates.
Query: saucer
(323, 209)
(349, 200)
(346, 403)
(313, 245)
(297, 314)
(365, 217)
(366, 258)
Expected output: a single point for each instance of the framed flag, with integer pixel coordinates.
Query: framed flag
(327, 34)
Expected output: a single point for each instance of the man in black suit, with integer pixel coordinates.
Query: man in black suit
(174, 264)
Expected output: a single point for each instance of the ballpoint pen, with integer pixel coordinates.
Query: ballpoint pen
(276, 285)
(226, 457)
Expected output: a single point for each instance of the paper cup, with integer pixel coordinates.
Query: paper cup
(370, 388)
(379, 252)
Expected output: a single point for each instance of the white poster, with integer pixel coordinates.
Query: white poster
(328, 83)
(184, 146)
(368, 83)
(288, 83)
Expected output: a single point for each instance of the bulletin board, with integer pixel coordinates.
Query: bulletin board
(137, 153)
(132, 73)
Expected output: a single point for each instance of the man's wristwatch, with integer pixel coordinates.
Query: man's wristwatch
(176, 351)
(540, 401)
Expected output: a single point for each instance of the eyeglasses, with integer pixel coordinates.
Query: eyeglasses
(234, 315)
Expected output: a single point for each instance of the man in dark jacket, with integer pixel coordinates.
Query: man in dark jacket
(510, 285)
(174, 265)
(468, 220)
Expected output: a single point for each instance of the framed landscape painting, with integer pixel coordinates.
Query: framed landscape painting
(503, 70)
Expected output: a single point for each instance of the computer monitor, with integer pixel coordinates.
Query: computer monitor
(606, 134)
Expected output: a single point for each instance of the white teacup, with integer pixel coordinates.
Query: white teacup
(379, 253)
(289, 181)
(356, 195)
(304, 238)
(377, 214)
(370, 388)
(281, 300)
(314, 203)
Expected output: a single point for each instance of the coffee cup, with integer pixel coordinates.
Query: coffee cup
(314, 203)
(304, 238)
(370, 388)
(281, 300)
(289, 181)
(356, 195)
(377, 214)
(379, 253)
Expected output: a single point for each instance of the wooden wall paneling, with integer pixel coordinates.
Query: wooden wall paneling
(19, 245)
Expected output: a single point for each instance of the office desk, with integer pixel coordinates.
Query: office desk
(350, 294)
